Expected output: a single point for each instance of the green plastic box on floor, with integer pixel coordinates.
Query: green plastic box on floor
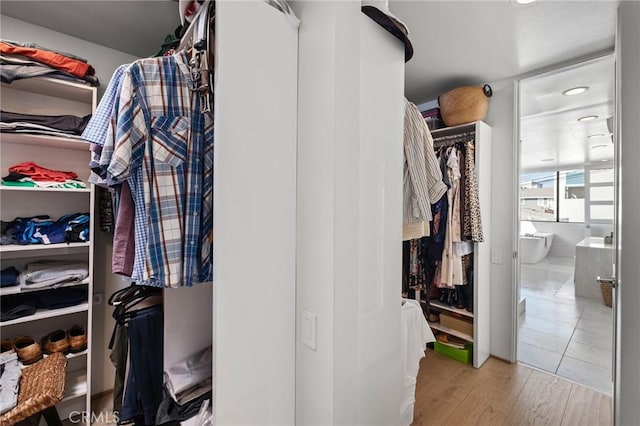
(462, 355)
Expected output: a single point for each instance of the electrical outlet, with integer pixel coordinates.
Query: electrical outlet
(98, 298)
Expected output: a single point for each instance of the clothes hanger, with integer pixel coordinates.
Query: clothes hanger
(132, 293)
(118, 294)
(125, 299)
(196, 30)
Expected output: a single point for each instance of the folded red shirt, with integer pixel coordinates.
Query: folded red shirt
(54, 60)
(36, 172)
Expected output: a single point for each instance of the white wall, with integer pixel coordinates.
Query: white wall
(501, 118)
(105, 61)
(349, 216)
(317, 97)
(255, 215)
(628, 297)
(379, 255)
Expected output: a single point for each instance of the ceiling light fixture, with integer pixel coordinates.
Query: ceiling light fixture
(544, 160)
(596, 135)
(598, 146)
(575, 90)
(587, 118)
(525, 1)
(604, 160)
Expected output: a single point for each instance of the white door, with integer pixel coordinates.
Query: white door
(627, 205)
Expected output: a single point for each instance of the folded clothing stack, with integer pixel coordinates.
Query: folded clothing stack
(53, 273)
(29, 174)
(433, 118)
(10, 374)
(25, 60)
(70, 228)
(54, 125)
(9, 277)
(187, 384)
(16, 306)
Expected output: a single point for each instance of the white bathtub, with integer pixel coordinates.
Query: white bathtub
(535, 247)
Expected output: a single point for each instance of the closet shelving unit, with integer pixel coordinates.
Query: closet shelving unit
(50, 96)
(480, 317)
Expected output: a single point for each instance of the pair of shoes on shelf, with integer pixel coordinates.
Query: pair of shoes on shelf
(6, 345)
(27, 349)
(73, 340)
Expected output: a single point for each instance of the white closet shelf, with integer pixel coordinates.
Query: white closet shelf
(443, 306)
(76, 385)
(36, 189)
(45, 140)
(34, 247)
(467, 127)
(51, 96)
(17, 289)
(48, 313)
(55, 87)
(78, 354)
(69, 356)
(451, 331)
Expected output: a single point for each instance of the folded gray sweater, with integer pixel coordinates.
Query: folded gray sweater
(52, 273)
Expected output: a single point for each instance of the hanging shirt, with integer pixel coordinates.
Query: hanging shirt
(97, 131)
(159, 129)
(472, 223)
(422, 180)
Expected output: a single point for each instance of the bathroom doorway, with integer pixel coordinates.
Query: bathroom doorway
(566, 212)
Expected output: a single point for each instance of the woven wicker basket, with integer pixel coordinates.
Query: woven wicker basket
(41, 386)
(607, 293)
(465, 104)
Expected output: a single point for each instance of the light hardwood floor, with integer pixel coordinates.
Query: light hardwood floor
(499, 393)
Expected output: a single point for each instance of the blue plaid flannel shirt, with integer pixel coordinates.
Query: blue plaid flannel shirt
(158, 131)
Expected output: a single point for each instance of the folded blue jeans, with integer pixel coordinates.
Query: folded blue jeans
(62, 297)
(9, 276)
(16, 306)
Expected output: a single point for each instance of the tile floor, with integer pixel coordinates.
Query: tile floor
(560, 333)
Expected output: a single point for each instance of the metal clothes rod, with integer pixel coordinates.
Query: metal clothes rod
(453, 139)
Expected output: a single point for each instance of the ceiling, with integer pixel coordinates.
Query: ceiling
(455, 42)
(475, 42)
(134, 27)
(551, 135)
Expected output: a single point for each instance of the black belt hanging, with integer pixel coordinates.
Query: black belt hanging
(199, 62)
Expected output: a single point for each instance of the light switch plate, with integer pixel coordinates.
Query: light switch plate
(309, 326)
(496, 256)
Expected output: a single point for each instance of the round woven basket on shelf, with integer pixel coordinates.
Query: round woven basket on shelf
(465, 104)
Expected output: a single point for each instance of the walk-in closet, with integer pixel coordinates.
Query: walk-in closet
(447, 268)
(128, 195)
(287, 212)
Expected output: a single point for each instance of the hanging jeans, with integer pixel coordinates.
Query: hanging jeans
(118, 358)
(143, 390)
